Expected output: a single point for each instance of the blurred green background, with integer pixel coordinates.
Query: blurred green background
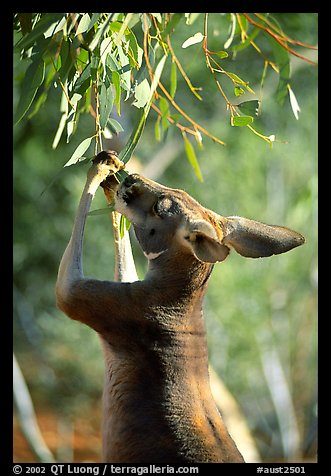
(261, 315)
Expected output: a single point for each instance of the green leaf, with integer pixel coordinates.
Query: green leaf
(114, 126)
(117, 85)
(84, 24)
(136, 55)
(221, 54)
(142, 93)
(197, 38)
(190, 154)
(164, 108)
(79, 151)
(125, 70)
(158, 16)
(282, 59)
(43, 24)
(228, 42)
(157, 129)
(84, 77)
(155, 82)
(126, 153)
(241, 120)
(235, 78)
(106, 101)
(59, 131)
(171, 25)
(238, 91)
(67, 55)
(33, 78)
(100, 211)
(250, 107)
(173, 79)
(124, 225)
(100, 32)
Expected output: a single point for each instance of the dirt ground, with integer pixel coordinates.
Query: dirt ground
(82, 443)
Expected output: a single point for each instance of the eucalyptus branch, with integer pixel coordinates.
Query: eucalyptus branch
(187, 79)
(281, 40)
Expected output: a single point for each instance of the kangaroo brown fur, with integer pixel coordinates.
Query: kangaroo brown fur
(158, 406)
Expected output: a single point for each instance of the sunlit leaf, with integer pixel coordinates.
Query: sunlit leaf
(158, 16)
(191, 17)
(294, 103)
(238, 91)
(228, 42)
(197, 38)
(156, 79)
(79, 151)
(100, 32)
(142, 93)
(84, 24)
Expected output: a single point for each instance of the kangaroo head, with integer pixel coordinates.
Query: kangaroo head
(166, 219)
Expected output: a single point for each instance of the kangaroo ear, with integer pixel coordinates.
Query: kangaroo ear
(201, 237)
(253, 239)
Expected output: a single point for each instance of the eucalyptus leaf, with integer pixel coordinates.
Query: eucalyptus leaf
(124, 225)
(250, 107)
(79, 151)
(190, 154)
(282, 59)
(117, 86)
(100, 211)
(173, 79)
(294, 103)
(131, 144)
(33, 78)
(197, 38)
(114, 126)
(228, 42)
(241, 121)
(235, 78)
(84, 24)
(238, 91)
(142, 93)
(106, 101)
(43, 24)
(221, 54)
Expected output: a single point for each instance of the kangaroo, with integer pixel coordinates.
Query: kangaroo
(157, 401)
